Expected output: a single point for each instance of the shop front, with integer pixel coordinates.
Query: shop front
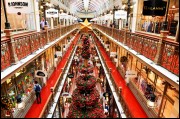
(154, 23)
(161, 99)
(19, 89)
(18, 21)
(49, 61)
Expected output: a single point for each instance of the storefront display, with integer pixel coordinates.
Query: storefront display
(154, 24)
(19, 87)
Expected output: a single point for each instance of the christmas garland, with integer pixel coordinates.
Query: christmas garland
(85, 82)
(84, 70)
(95, 112)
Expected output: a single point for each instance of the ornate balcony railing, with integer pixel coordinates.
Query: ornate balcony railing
(161, 50)
(22, 45)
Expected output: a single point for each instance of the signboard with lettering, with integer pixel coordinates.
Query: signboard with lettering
(40, 74)
(154, 8)
(131, 74)
(18, 6)
(120, 14)
(51, 13)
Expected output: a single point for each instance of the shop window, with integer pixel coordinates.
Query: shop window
(12, 95)
(29, 84)
(9, 83)
(20, 87)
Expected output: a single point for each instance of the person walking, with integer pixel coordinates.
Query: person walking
(37, 89)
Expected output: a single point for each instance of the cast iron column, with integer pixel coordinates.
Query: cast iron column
(7, 24)
(165, 22)
(128, 10)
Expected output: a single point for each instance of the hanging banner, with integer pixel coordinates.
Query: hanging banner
(154, 8)
(120, 14)
(51, 13)
(18, 6)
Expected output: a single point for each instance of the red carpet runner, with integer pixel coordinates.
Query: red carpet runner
(134, 106)
(36, 109)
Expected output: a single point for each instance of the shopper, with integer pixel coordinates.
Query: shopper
(37, 89)
(43, 23)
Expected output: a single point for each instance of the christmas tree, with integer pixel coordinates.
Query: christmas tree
(86, 98)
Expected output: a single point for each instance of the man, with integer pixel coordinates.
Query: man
(43, 23)
(37, 89)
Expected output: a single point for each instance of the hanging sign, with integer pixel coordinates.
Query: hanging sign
(154, 8)
(131, 74)
(59, 53)
(40, 74)
(106, 94)
(18, 6)
(51, 13)
(120, 14)
(70, 75)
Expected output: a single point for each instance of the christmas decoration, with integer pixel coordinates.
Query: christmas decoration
(6, 103)
(85, 98)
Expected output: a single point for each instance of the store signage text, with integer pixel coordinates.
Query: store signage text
(154, 8)
(131, 74)
(51, 13)
(18, 6)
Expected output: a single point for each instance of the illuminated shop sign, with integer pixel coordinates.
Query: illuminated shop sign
(16, 6)
(154, 8)
(51, 13)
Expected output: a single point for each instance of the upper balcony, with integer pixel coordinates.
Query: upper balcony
(15, 47)
(162, 50)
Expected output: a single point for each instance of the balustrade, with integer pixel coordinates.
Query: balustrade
(121, 99)
(147, 45)
(23, 45)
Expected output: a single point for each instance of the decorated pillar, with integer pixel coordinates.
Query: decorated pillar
(125, 36)
(47, 34)
(43, 68)
(160, 47)
(52, 23)
(11, 45)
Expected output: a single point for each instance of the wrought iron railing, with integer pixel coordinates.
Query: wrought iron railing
(50, 100)
(148, 45)
(22, 45)
(121, 99)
